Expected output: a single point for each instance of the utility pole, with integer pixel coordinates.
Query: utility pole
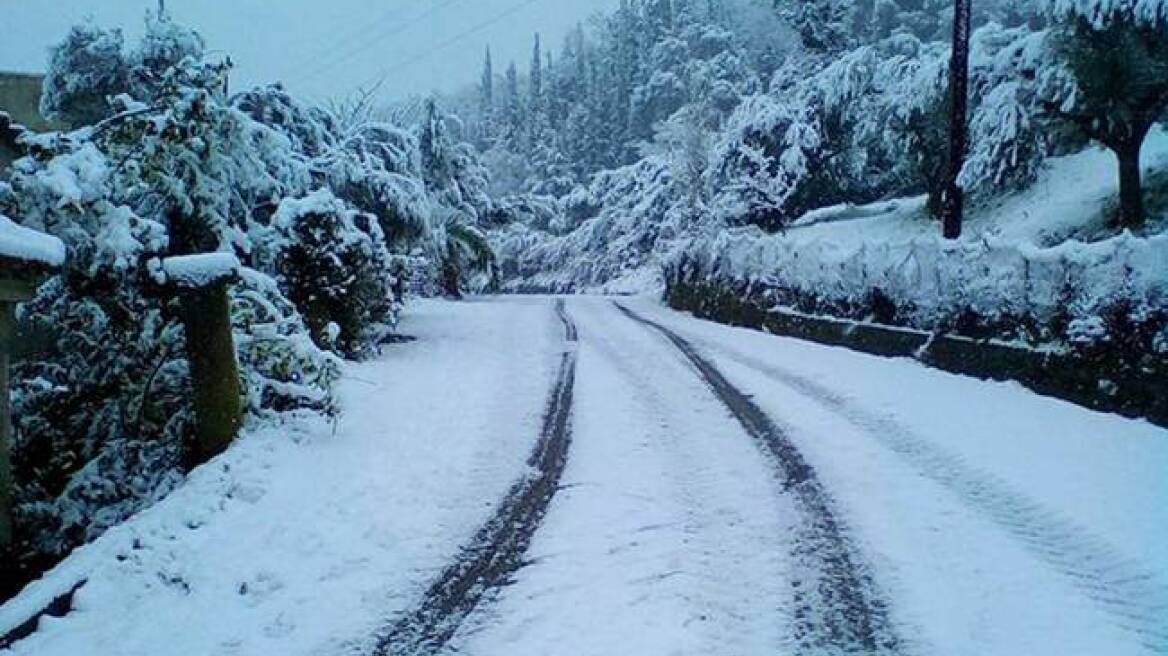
(953, 204)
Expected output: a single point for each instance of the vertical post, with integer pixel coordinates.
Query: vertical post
(214, 371)
(7, 321)
(953, 206)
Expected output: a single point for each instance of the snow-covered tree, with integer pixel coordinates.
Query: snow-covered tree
(166, 166)
(1009, 137)
(1113, 82)
(85, 70)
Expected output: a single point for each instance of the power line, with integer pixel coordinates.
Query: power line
(507, 13)
(359, 48)
(319, 50)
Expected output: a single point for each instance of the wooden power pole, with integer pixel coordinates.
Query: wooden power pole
(953, 207)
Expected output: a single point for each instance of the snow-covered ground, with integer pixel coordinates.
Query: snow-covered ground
(665, 539)
(1002, 522)
(1070, 200)
(305, 538)
(992, 520)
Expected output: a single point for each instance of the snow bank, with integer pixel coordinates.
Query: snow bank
(20, 243)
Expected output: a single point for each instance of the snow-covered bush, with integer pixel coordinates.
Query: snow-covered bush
(335, 268)
(166, 166)
(1041, 296)
(85, 70)
(99, 410)
(283, 368)
(770, 165)
(641, 216)
(1009, 140)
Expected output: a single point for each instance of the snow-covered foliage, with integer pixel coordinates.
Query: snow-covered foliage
(85, 69)
(166, 183)
(337, 271)
(1102, 13)
(851, 108)
(637, 217)
(1028, 293)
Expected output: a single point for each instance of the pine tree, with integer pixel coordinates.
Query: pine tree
(487, 87)
(536, 78)
(513, 107)
(823, 25)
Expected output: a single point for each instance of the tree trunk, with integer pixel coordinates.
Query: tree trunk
(451, 274)
(954, 203)
(214, 371)
(1131, 192)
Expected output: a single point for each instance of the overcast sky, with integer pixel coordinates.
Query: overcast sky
(321, 48)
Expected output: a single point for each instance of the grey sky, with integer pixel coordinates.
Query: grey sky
(321, 47)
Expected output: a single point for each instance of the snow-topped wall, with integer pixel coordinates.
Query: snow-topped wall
(932, 282)
(25, 245)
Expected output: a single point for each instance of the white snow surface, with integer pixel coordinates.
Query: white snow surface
(306, 538)
(1070, 198)
(994, 520)
(20, 243)
(199, 270)
(667, 537)
(983, 509)
(997, 520)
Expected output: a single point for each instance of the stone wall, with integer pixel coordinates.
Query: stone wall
(1100, 383)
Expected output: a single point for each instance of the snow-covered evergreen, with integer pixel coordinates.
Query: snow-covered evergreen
(322, 213)
(848, 105)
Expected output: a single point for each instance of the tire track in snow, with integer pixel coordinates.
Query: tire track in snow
(837, 606)
(1131, 593)
(498, 548)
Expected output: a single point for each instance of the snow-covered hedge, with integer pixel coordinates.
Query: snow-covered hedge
(1068, 295)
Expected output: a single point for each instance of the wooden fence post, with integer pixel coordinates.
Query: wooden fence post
(201, 282)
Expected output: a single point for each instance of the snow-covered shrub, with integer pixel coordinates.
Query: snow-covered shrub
(99, 412)
(335, 267)
(283, 368)
(102, 403)
(1060, 296)
(641, 218)
(770, 165)
(1008, 138)
(85, 71)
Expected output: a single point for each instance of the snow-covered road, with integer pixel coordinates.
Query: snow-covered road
(808, 500)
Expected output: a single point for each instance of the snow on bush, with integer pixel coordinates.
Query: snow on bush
(20, 243)
(336, 269)
(1067, 290)
(638, 219)
(165, 180)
